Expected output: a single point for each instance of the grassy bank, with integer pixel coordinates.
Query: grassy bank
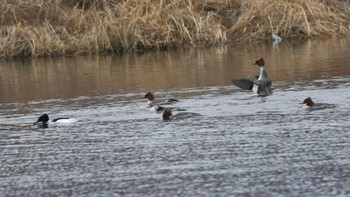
(63, 27)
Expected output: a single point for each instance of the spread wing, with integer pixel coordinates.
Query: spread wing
(245, 84)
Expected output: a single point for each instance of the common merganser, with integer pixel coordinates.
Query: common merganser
(44, 119)
(316, 106)
(260, 85)
(168, 115)
(152, 100)
(160, 109)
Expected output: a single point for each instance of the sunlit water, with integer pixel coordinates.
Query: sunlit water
(241, 145)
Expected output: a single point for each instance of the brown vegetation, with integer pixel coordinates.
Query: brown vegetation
(63, 27)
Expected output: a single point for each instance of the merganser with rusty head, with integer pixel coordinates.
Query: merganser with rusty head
(168, 115)
(43, 120)
(316, 106)
(259, 84)
(152, 101)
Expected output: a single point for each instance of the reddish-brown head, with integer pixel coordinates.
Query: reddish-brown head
(308, 101)
(150, 96)
(260, 62)
(167, 114)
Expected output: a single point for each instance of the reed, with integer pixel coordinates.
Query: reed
(291, 19)
(37, 28)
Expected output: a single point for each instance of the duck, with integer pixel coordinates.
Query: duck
(316, 106)
(160, 109)
(152, 101)
(168, 115)
(276, 39)
(43, 120)
(259, 84)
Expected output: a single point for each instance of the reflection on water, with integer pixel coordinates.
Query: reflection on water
(86, 76)
(241, 145)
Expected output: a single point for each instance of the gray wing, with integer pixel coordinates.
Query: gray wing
(245, 84)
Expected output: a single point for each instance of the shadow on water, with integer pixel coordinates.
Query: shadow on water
(241, 144)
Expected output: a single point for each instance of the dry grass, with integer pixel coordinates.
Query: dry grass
(293, 18)
(63, 27)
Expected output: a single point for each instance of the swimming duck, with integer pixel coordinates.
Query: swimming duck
(152, 101)
(44, 119)
(259, 84)
(316, 106)
(276, 39)
(168, 115)
(160, 109)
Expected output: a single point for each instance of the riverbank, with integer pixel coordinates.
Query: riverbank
(54, 28)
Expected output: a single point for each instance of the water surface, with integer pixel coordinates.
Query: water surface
(241, 145)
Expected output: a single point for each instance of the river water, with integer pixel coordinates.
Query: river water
(240, 145)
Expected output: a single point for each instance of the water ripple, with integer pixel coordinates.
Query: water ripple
(242, 145)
